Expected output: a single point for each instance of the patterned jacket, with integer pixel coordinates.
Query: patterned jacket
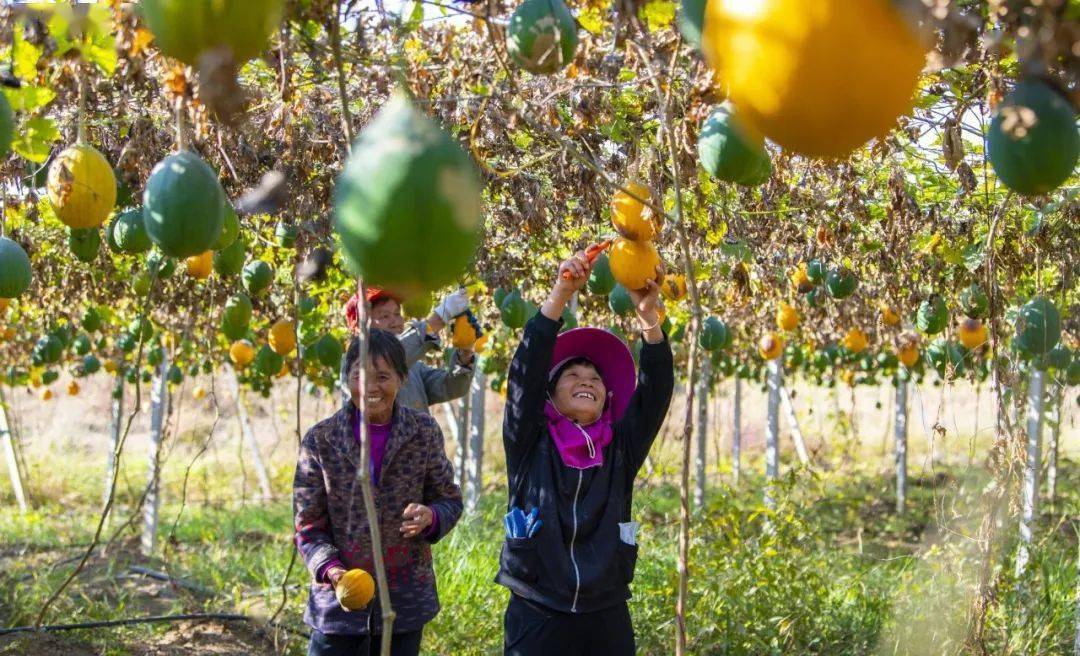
(326, 492)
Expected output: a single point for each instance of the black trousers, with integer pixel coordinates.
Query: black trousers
(534, 630)
(402, 644)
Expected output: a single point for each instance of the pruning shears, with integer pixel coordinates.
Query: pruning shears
(591, 253)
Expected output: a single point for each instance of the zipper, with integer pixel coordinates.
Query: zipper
(573, 538)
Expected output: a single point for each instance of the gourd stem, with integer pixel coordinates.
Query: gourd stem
(181, 141)
(80, 117)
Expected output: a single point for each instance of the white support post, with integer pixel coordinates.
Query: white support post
(248, 436)
(702, 434)
(793, 424)
(462, 433)
(900, 437)
(1030, 500)
(474, 477)
(1052, 447)
(159, 402)
(8, 443)
(736, 433)
(772, 431)
(115, 429)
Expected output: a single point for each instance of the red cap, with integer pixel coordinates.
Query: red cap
(374, 296)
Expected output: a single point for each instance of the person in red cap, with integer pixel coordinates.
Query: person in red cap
(425, 385)
(577, 427)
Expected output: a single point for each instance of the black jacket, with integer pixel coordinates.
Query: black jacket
(576, 562)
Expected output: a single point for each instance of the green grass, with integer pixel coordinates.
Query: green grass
(833, 570)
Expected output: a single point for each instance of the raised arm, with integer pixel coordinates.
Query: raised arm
(526, 385)
(656, 378)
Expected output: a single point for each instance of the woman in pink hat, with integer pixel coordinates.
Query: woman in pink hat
(577, 428)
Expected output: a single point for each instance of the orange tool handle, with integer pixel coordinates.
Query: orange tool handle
(591, 253)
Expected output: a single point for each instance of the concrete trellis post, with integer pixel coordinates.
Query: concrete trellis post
(159, 403)
(793, 424)
(1030, 495)
(461, 434)
(8, 443)
(248, 436)
(701, 435)
(900, 436)
(772, 431)
(736, 433)
(474, 478)
(115, 429)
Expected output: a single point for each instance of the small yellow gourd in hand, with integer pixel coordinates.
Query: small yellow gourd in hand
(355, 589)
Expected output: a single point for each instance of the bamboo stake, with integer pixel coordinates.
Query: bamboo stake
(364, 477)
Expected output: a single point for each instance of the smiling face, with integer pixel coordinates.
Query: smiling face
(386, 315)
(382, 384)
(580, 393)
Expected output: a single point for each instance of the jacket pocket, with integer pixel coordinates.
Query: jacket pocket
(626, 556)
(519, 559)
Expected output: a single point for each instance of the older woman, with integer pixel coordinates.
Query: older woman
(416, 498)
(425, 385)
(576, 432)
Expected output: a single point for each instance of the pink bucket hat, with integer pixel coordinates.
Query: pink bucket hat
(609, 354)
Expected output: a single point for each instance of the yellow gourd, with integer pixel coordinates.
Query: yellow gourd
(888, 317)
(464, 333)
(81, 187)
(973, 333)
(856, 341)
(631, 218)
(633, 263)
(241, 353)
(907, 349)
(73, 389)
(282, 337)
(770, 346)
(819, 77)
(200, 266)
(674, 286)
(800, 280)
(355, 589)
(787, 317)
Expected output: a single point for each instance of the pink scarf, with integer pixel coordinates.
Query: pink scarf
(580, 447)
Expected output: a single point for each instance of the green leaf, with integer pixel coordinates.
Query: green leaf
(28, 98)
(35, 138)
(102, 56)
(25, 56)
(416, 16)
(737, 251)
(659, 14)
(974, 255)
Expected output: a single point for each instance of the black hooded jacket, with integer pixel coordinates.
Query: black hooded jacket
(576, 561)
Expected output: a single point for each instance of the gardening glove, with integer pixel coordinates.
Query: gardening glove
(452, 305)
(355, 589)
(520, 525)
